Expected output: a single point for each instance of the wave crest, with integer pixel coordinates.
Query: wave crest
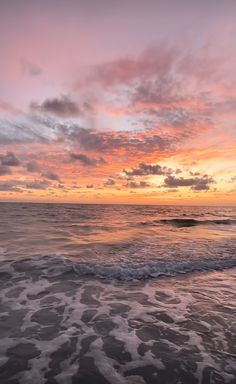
(128, 271)
(191, 222)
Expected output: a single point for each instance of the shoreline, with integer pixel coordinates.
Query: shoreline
(68, 329)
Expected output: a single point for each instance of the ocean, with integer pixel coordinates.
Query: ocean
(122, 294)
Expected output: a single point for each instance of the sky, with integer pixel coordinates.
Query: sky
(130, 101)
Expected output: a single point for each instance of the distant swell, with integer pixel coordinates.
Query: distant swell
(191, 222)
(128, 271)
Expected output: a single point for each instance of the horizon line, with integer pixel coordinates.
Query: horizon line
(128, 204)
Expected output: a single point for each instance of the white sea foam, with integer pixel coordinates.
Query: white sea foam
(155, 314)
(128, 271)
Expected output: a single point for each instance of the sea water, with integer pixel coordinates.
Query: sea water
(117, 294)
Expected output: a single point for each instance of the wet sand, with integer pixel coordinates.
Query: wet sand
(58, 327)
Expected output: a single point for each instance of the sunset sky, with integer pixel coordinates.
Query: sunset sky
(105, 101)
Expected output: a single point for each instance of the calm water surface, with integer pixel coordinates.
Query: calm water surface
(121, 241)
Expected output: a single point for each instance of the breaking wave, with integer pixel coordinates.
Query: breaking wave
(55, 265)
(128, 271)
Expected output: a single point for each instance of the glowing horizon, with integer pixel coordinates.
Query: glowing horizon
(103, 102)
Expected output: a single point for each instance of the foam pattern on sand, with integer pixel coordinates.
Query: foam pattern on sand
(58, 327)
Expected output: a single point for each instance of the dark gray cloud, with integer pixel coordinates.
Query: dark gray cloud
(157, 90)
(4, 170)
(19, 185)
(11, 186)
(83, 159)
(62, 107)
(109, 183)
(148, 169)
(136, 184)
(89, 186)
(196, 183)
(32, 166)
(46, 129)
(186, 114)
(94, 140)
(38, 184)
(86, 161)
(9, 159)
(51, 176)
